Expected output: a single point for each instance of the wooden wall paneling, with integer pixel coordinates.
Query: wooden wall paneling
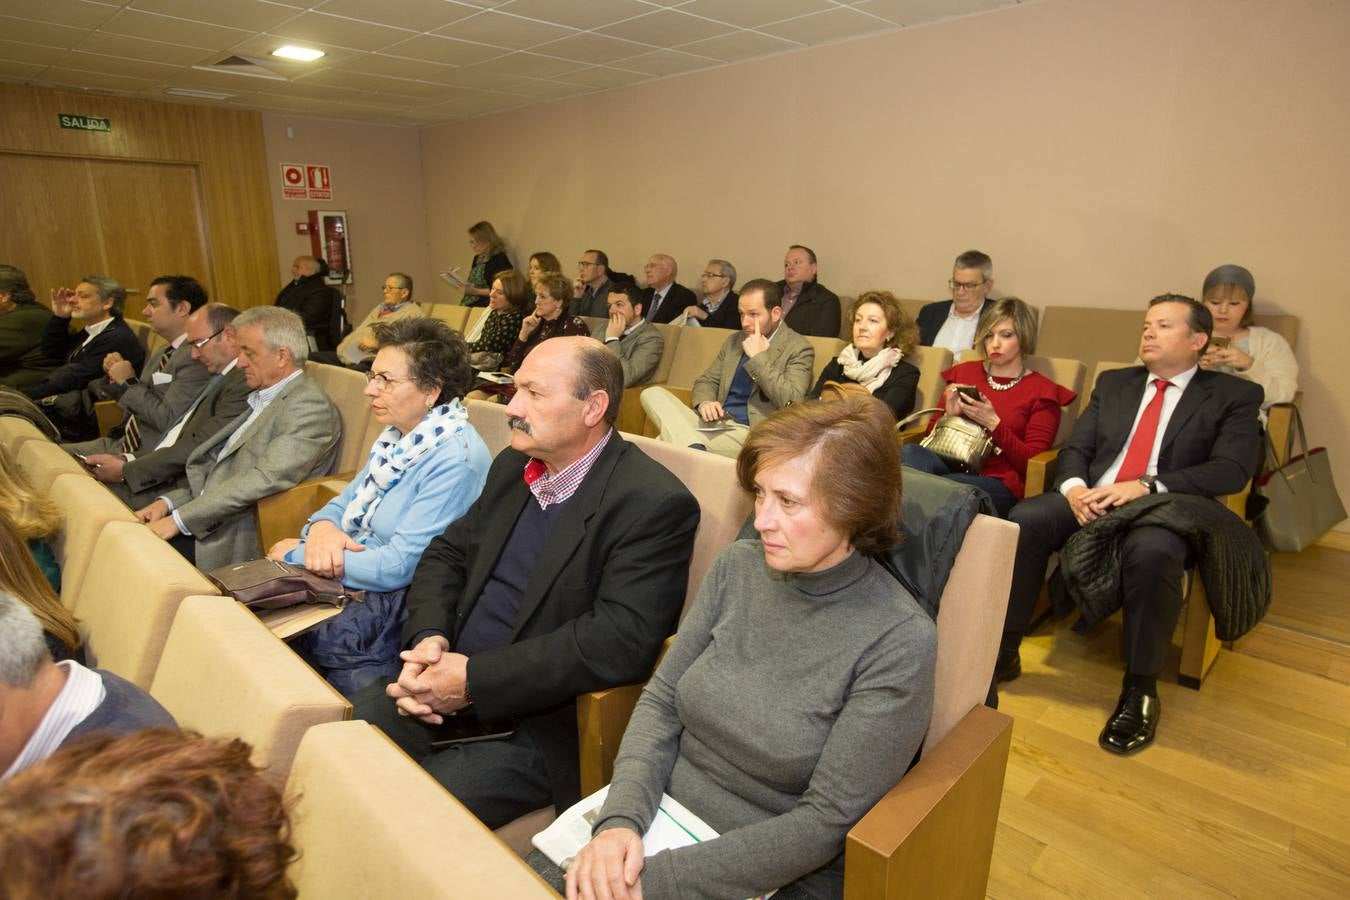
(48, 228)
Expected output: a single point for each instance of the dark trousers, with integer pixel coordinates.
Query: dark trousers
(926, 460)
(1153, 560)
(498, 781)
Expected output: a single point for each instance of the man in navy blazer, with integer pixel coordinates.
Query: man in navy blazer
(1166, 426)
(951, 323)
(564, 577)
(665, 298)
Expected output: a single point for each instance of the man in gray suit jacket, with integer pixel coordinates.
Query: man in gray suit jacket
(762, 369)
(628, 336)
(168, 384)
(290, 433)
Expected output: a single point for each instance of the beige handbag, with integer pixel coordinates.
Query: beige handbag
(960, 443)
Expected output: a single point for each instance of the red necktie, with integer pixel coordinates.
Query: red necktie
(1141, 445)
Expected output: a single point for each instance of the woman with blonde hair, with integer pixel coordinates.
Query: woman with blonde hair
(21, 576)
(883, 334)
(34, 517)
(489, 258)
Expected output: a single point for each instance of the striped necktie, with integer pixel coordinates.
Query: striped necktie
(131, 434)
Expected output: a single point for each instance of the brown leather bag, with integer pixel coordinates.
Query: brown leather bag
(263, 584)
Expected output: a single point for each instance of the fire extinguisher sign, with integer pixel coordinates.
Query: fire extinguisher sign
(306, 182)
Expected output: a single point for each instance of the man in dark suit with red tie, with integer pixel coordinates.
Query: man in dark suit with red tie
(1165, 426)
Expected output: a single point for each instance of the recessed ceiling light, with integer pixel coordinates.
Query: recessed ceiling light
(303, 54)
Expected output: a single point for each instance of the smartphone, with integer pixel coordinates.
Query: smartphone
(1222, 343)
(84, 459)
(969, 392)
(467, 728)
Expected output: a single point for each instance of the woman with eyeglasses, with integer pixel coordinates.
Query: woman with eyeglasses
(425, 469)
(1240, 348)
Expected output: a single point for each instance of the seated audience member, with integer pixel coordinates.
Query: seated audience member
(951, 323)
(311, 298)
(883, 335)
(96, 303)
(158, 813)
(631, 338)
(425, 469)
(716, 308)
(564, 577)
(489, 258)
(590, 291)
(289, 434)
(808, 306)
(542, 262)
(1019, 408)
(550, 319)
(138, 478)
(168, 384)
(1240, 348)
(37, 519)
(496, 331)
(763, 367)
(1116, 455)
(23, 321)
(665, 298)
(800, 638)
(357, 349)
(44, 705)
(21, 578)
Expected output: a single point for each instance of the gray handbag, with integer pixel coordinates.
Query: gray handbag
(1302, 503)
(960, 443)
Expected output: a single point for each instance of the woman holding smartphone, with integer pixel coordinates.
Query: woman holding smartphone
(1019, 408)
(1240, 348)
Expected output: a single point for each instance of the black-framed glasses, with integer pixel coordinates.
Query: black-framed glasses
(384, 382)
(963, 285)
(714, 275)
(206, 340)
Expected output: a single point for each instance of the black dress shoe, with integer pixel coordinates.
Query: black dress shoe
(1133, 724)
(1008, 667)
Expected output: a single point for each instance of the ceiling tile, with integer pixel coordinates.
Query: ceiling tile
(44, 33)
(433, 48)
(912, 12)
(247, 14)
(20, 71)
(529, 65)
(834, 25)
(31, 54)
(415, 15)
(477, 104)
(395, 67)
(74, 13)
(501, 30)
(667, 28)
(219, 80)
(308, 88)
(593, 48)
(740, 45)
(173, 31)
(65, 77)
(602, 77)
(753, 13)
(540, 89)
(665, 62)
(321, 29)
(588, 15)
(260, 46)
(114, 65)
(139, 48)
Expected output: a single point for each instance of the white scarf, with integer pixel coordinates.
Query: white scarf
(871, 373)
(393, 454)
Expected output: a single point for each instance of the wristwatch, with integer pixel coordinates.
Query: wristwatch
(130, 381)
(1150, 482)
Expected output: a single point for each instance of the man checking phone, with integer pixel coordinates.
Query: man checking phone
(762, 369)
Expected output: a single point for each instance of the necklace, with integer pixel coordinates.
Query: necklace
(994, 385)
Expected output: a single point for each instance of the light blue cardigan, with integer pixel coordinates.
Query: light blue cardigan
(435, 492)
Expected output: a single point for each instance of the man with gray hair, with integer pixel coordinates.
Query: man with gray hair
(564, 577)
(952, 323)
(717, 307)
(665, 298)
(45, 705)
(289, 434)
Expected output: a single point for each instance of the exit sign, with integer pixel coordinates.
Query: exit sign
(85, 123)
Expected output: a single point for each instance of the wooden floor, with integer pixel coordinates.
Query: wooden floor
(1245, 793)
(1312, 592)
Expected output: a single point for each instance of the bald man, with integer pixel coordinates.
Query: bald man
(313, 300)
(665, 298)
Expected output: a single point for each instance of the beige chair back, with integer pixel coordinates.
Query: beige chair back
(671, 335)
(224, 674)
(42, 461)
(723, 506)
(912, 307)
(594, 322)
(88, 506)
(696, 351)
(128, 598)
(1283, 325)
(471, 320)
(415, 839)
(489, 420)
(970, 622)
(1089, 334)
(931, 363)
(16, 431)
(1067, 373)
(146, 334)
(825, 350)
(451, 314)
(345, 387)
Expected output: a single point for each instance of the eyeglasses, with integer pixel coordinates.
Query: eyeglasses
(713, 275)
(963, 285)
(206, 340)
(391, 287)
(583, 264)
(384, 382)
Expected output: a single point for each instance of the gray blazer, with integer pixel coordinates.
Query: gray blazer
(157, 406)
(639, 352)
(782, 374)
(294, 438)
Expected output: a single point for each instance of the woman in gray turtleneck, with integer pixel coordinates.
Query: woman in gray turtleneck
(799, 687)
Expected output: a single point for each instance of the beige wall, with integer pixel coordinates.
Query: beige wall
(1101, 152)
(377, 179)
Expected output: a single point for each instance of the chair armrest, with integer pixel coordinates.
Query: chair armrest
(282, 515)
(1040, 472)
(933, 834)
(632, 417)
(108, 414)
(602, 717)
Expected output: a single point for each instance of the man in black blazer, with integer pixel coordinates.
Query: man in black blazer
(951, 323)
(309, 296)
(665, 298)
(717, 308)
(564, 577)
(809, 307)
(1167, 426)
